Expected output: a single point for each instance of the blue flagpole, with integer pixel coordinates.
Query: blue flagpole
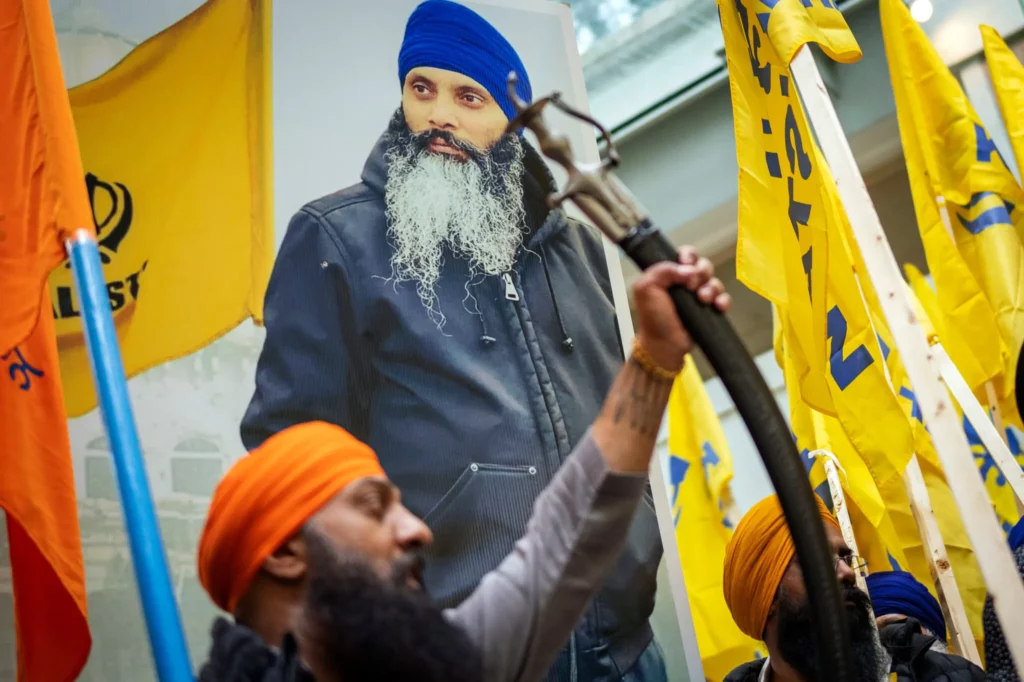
(166, 636)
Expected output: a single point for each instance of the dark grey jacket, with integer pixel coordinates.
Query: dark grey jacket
(470, 422)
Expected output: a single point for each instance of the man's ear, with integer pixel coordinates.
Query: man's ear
(289, 561)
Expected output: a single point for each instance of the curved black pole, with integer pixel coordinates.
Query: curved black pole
(621, 218)
(646, 245)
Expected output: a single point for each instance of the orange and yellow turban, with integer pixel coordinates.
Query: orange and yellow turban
(267, 496)
(755, 560)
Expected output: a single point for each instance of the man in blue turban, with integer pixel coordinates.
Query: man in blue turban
(444, 314)
(897, 596)
(912, 630)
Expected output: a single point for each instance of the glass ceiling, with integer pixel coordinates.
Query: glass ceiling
(597, 19)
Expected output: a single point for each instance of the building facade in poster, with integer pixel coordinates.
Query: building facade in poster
(441, 312)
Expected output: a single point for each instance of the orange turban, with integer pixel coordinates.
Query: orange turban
(267, 496)
(756, 559)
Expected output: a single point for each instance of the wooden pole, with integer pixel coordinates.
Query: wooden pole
(835, 486)
(989, 542)
(960, 636)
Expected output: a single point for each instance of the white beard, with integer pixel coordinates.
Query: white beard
(473, 207)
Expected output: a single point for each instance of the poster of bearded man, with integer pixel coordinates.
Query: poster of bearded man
(427, 299)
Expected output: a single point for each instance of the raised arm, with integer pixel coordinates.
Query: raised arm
(524, 611)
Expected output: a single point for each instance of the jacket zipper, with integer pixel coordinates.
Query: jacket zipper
(510, 288)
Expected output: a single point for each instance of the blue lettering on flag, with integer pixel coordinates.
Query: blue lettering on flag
(677, 468)
(709, 458)
(997, 215)
(795, 147)
(981, 454)
(22, 367)
(844, 370)
(762, 73)
(986, 147)
(808, 262)
(799, 213)
(885, 348)
(915, 408)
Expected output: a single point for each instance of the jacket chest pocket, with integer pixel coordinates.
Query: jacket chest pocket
(476, 525)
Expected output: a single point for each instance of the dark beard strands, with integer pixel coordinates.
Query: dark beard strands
(798, 644)
(367, 629)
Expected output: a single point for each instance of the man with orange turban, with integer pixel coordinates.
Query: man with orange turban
(765, 591)
(308, 545)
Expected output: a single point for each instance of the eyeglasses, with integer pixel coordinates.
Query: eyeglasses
(854, 561)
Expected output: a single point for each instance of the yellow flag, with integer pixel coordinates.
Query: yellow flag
(791, 24)
(1008, 82)
(957, 341)
(877, 538)
(175, 141)
(950, 155)
(781, 224)
(700, 468)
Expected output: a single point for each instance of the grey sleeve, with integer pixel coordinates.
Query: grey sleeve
(523, 612)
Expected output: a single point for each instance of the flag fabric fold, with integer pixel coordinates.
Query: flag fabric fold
(175, 144)
(1008, 83)
(42, 201)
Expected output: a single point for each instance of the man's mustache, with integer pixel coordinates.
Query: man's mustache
(421, 142)
(409, 565)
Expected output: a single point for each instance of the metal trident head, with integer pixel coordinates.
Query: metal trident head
(592, 187)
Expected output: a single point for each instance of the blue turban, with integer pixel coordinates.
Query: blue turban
(897, 592)
(1016, 536)
(446, 35)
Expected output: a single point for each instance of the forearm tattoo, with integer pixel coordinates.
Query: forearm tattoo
(639, 399)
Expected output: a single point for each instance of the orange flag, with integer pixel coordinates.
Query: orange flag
(42, 199)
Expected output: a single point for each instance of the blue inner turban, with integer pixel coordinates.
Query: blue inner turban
(897, 592)
(446, 35)
(1016, 537)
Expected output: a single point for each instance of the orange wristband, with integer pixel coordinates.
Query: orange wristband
(644, 359)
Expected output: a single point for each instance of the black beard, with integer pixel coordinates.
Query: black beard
(798, 642)
(367, 629)
(494, 162)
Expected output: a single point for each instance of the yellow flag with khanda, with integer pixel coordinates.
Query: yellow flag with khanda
(176, 147)
(1008, 82)
(950, 156)
(700, 468)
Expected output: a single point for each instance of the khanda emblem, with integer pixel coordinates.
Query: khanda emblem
(111, 214)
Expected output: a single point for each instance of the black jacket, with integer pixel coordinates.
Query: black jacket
(239, 655)
(471, 422)
(912, 659)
